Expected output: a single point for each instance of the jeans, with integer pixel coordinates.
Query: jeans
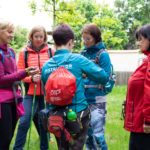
(24, 123)
(95, 138)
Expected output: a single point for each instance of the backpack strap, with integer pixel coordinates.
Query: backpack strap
(3, 55)
(26, 57)
(11, 53)
(50, 52)
(98, 55)
(26, 85)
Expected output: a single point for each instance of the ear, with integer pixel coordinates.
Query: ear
(70, 42)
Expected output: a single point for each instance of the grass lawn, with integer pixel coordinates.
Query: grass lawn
(116, 136)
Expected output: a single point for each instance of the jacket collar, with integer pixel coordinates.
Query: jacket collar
(4, 47)
(43, 49)
(96, 47)
(62, 51)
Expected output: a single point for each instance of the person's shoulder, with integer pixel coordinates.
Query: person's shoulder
(77, 55)
(103, 52)
(78, 58)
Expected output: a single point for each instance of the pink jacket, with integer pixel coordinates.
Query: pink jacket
(8, 75)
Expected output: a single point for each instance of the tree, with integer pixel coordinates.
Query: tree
(49, 6)
(20, 38)
(132, 13)
(76, 13)
(112, 29)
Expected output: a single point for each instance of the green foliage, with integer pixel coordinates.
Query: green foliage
(112, 29)
(87, 8)
(132, 13)
(74, 18)
(83, 11)
(77, 13)
(20, 38)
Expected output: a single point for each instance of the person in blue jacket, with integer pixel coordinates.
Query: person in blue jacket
(94, 49)
(77, 64)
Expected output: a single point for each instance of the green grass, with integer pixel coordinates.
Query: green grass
(116, 136)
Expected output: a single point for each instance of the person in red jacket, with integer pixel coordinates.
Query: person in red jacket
(36, 53)
(10, 97)
(137, 110)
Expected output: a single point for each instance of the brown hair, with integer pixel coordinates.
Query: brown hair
(62, 34)
(37, 29)
(94, 31)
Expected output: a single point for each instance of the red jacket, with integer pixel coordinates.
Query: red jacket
(137, 110)
(36, 59)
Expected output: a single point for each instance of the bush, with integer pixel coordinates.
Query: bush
(20, 38)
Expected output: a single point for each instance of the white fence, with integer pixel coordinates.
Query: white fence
(125, 62)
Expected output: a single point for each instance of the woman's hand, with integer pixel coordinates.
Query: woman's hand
(32, 71)
(146, 128)
(36, 78)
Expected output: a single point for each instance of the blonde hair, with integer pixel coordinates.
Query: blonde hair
(37, 29)
(4, 24)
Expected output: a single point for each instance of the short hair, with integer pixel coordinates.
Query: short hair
(37, 28)
(62, 34)
(4, 24)
(143, 31)
(94, 31)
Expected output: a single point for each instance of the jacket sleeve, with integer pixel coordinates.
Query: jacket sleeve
(21, 66)
(93, 71)
(105, 62)
(146, 103)
(10, 78)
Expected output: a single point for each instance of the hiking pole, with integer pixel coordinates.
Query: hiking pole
(32, 112)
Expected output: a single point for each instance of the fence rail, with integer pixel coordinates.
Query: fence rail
(122, 77)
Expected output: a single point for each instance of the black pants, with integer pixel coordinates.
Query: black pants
(8, 122)
(79, 139)
(139, 141)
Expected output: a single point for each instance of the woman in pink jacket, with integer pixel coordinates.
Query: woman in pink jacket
(137, 112)
(9, 96)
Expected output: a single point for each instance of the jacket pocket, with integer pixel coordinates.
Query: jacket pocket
(129, 113)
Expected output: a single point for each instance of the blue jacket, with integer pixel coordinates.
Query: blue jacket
(77, 65)
(94, 95)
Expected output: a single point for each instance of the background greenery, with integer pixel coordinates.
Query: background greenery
(118, 24)
(116, 136)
